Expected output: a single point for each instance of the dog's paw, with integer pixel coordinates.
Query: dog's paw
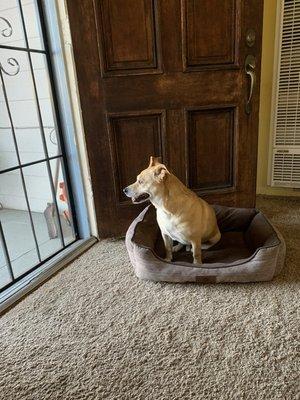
(198, 262)
(178, 247)
(168, 258)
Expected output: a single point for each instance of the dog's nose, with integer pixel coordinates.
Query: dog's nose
(125, 190)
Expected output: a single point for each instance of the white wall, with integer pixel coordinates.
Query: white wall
(23, 108)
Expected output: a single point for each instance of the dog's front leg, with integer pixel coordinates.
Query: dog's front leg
(196, 249)
(168, 246)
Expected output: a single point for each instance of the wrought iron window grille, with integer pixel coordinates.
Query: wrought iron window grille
(12, 68)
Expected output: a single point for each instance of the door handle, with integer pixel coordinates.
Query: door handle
(250, 64)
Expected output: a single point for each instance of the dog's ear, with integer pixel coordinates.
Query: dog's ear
(160, 173)
(154, 161)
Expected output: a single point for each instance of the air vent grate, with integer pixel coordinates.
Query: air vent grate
(286, 169)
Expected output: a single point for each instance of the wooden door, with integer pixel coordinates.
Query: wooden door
(167, 78)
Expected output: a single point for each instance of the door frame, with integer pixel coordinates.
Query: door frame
(52, 21)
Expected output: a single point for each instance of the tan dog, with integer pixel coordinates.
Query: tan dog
(181, 214)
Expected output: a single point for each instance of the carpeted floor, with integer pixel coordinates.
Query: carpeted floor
(95, 332)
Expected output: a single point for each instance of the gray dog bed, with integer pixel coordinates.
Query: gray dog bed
(250, 250)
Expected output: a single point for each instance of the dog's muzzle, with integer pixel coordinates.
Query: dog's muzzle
(140, 198)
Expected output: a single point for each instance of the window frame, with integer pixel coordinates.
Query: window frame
(53, 50)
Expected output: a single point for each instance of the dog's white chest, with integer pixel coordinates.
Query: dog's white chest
(170, 226)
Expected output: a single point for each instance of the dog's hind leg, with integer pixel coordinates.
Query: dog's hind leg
(211, 242)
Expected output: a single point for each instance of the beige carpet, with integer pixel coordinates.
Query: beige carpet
(95, 332)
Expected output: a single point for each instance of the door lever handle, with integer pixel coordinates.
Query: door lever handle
(250, 64)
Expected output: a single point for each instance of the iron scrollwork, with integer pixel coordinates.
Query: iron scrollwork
(7, 32)
(12, 62)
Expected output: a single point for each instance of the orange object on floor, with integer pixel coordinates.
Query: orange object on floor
(64, 197)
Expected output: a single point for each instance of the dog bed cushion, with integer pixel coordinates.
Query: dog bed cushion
(250, 250)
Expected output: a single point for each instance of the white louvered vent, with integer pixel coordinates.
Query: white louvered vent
(285, 156)
(286, 167)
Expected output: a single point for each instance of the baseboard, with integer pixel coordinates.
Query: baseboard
(278, 197)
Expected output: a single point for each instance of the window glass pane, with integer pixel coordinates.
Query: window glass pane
(41, 74)
(15, 221)
(5, 278)
(35, 212)
(32, 24)
(22, 104)
(11, 29)
(63, 203)
(8, 155)
(43, 209)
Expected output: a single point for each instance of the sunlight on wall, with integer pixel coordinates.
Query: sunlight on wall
(269, 25)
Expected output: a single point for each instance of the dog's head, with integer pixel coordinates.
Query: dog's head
(148, 182)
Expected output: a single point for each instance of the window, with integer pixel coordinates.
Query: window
(37, 218)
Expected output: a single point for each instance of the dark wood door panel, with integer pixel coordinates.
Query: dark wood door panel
(133, 137)
(210, 132)
(128, 36)
(214, 41)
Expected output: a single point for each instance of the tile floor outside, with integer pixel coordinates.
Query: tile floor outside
(20, 241)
